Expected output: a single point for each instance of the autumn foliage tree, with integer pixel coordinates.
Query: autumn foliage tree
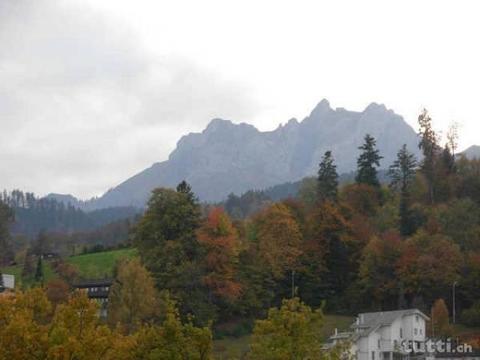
(220, 240)
(279, 239)
(429, 264)
(31, 330)
(289, 332)
(329, 259)
(439, 318)
(133, 298)
(378, 271)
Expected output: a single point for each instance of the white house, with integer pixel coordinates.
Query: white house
(8, 281)
(387, 335)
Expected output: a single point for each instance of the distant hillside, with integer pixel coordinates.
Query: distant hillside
(33, 214)
(472, 152)
(233, 158)
(248, 203)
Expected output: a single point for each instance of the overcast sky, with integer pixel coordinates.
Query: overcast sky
(91, 92)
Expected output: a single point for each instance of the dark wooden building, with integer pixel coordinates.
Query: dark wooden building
(97, 290)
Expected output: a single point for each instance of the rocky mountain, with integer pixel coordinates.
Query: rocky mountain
(228, 157)
(472, 152)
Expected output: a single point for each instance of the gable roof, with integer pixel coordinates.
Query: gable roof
(370, 322)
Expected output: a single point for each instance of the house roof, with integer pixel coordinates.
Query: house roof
(370, 322)
(93, 283)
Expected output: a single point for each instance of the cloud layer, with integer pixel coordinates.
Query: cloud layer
(84, 105)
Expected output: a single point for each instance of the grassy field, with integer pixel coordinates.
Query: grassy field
(99, 265)
(16, 270)
(236, 348)
(90, 266)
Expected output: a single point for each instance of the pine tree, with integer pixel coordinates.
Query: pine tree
(367, 163)
(327, 178)
(402, 173)
(186, 189)
(39, 270)
(429, 146)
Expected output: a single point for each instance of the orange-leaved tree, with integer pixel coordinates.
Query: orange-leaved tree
(220, 240)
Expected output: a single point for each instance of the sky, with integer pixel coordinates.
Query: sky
(92, 92)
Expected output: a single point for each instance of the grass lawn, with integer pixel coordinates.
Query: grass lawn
(235, 348)
(99, 265)
(16, 270)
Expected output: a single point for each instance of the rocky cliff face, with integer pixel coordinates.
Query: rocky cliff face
(228, 157)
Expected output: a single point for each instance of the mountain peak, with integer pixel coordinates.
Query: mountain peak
(321, 108)
(375, 107)
(218, 123)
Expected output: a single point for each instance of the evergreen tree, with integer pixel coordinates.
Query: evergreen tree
(6, 216)
(166, 240)
(28, 264)
(402, 173)
(367, 163)
(186, 189)
(429, 146)
(327, 178)
(39, 270)
(40, 245)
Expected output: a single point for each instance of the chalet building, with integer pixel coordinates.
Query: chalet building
(387, 335)
(97, 290)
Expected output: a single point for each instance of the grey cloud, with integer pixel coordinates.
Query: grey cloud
(83, 105)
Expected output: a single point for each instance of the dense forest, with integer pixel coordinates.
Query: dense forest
(360, 246)
(33, 214)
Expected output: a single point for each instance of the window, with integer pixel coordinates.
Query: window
(416, 318)
(373, 355)
(401, 333)
(415, 331)
(421, 332)
(378, 344)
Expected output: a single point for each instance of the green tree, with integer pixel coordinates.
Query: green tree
(402, 175)
(6, 216)
(186, 189)
(289, 333)
(367, 163)
(327, 178)
(430, 149)
(173, 339)
(133, 299)
(166, 240)
(39, 270)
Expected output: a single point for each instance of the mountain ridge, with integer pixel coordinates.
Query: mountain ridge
(227, 157)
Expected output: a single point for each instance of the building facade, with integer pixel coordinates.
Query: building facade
(387, 335)
(97, 290)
